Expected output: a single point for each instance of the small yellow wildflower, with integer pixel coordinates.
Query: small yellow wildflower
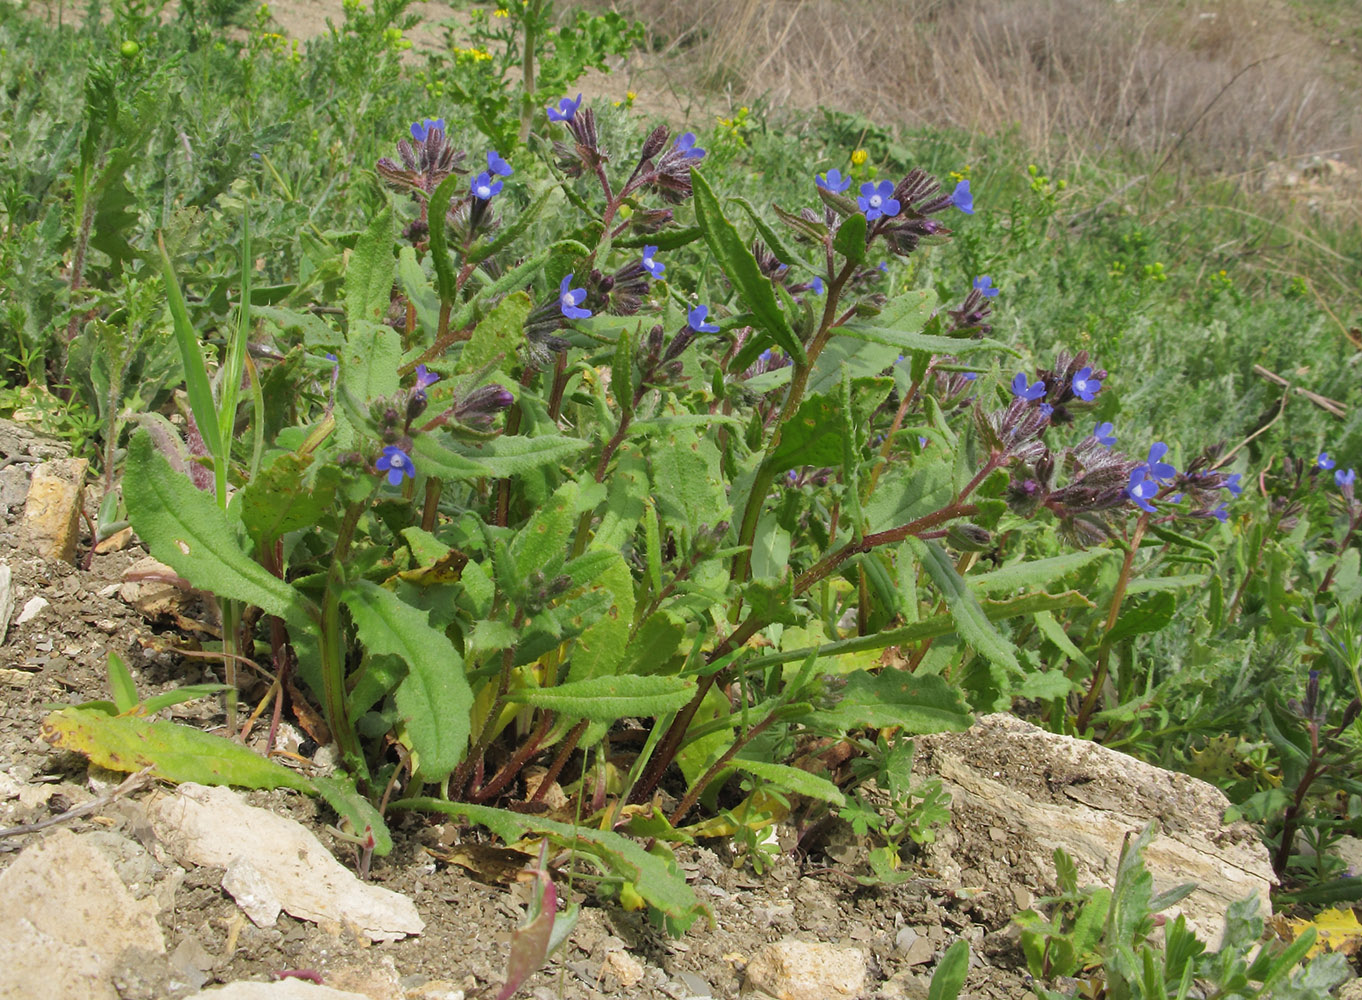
(501, 12)
(961, 174)
(859, 157)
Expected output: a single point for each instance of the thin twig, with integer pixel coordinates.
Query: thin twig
(1281, 409)
(132, 783)
(1331, 406)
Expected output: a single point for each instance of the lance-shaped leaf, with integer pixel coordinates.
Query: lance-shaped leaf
(439, 249)
(278, 500)
(174, 752)
(971, 622)
(605, 699)
(369, 272)
(792, 779)
(741, 267)
(511, 232)
(341, 795)
(498, 458)
(660, 883)
(919, 703)
(786, 253)
(434, 698)
(184, 528)
(1036, 572)
(419, 291)
(501, 331)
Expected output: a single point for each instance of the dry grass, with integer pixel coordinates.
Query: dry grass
(1226, 82)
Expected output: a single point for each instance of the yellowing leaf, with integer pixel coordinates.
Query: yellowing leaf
(1338, 930)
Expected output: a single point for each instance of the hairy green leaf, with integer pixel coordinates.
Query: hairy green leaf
(971, 622)
(605, 699)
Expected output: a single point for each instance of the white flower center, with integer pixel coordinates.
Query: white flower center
(875, 201)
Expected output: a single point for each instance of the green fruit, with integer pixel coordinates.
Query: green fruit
(129, 49)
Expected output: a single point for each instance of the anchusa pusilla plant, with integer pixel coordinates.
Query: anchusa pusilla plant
(600, 456)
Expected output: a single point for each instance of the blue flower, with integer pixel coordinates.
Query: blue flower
(984, 286)
(686, 144)
(650, 265)
(1141, 490)
(969, 376)
(1023, 389)
(419, 130)
(397, 463)
(1232, 484)
(1324, 461)
(484, 187)
(696, 320)
(1221, 513)
(1155, 465)
(833, 182)
(566, 108)
(1105, 433)
(816, 286)
(497, 165)
(1344, 479)
(962, 199)
(425, 377)
(877, 200)
(1046, 409)
(570, 300)
(1085, 386)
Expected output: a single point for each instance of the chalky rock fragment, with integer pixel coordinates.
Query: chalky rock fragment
(70, 922)
(805, 970)
(1018, 792)
(214, 827)
(52, 510)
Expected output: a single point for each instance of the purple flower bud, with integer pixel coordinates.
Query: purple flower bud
(657, 138)
(482, 404)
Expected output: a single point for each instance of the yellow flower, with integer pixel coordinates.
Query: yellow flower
(859, 157)
(501, 12)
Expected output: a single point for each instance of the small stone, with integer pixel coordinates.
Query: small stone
(32, 608)
(804, 970)
(252, 893)
(436, 989)
(6, 599)
(699, 989)
(116, 542)
(377, 981)
(920, 952)
(626, 969)
(52, 511)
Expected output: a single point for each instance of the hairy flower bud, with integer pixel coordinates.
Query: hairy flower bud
(652, 145)
(479, 407)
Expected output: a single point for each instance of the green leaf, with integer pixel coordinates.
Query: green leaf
(814, 435)
(850, 238)
(121, 684)
(1035, 572)
(200, 392)
(657, 880)
(180, 695)
(511, 231)
(605, 699)
(174, 752)
(278, 500)
(687, 479)
(370, 359)
(917, 703)
(499, 458)
(950, 972)
(340, 794)
(972, 624)
(436, 209)
(184, 528)
(434, 698)
(793, 779)
(500, 333)
(741, 267)
(1151, 615)
(316, 331)
(786, 253)
(369, 273)
(419, 291)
